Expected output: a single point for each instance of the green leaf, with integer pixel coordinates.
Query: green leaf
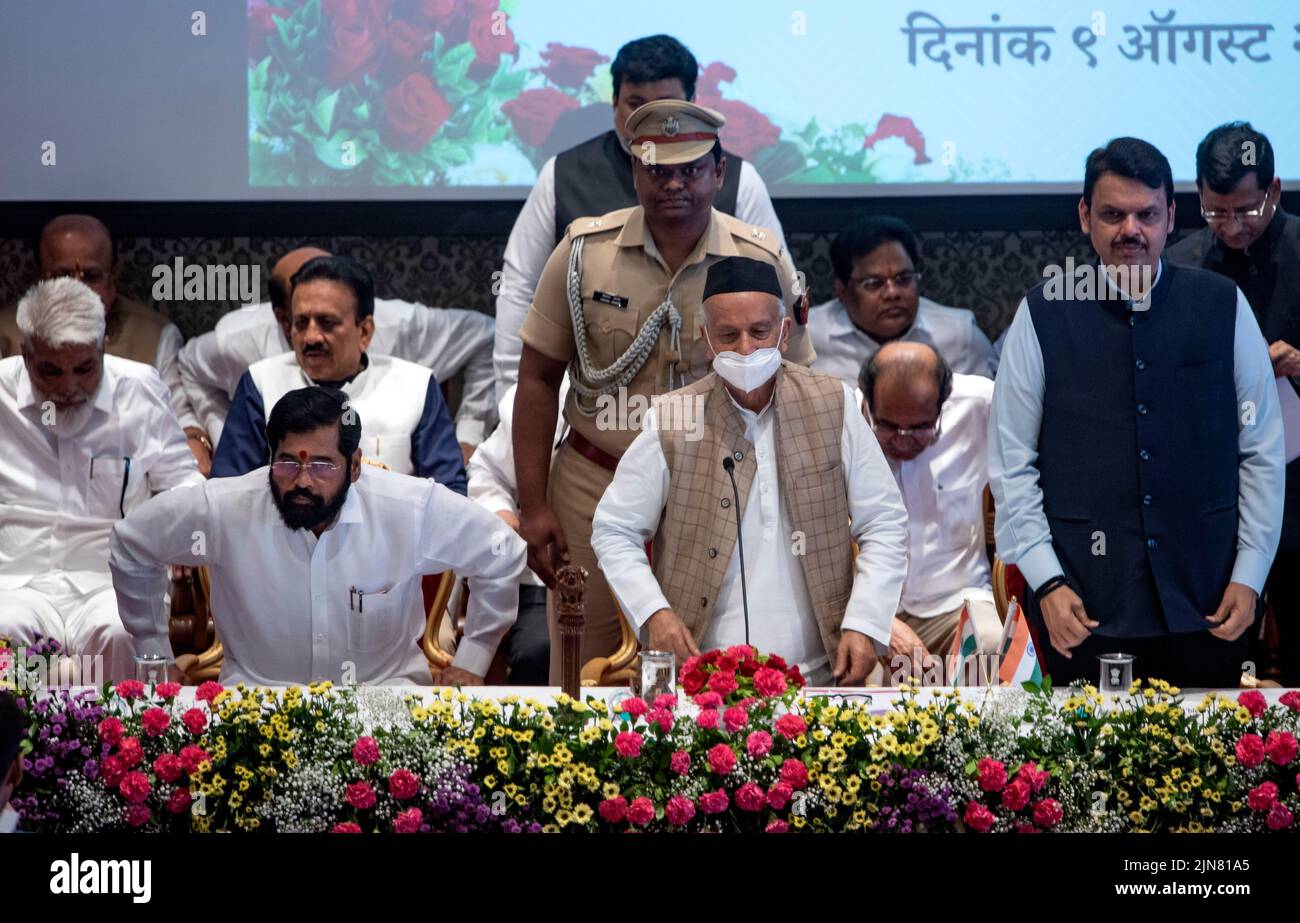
(323, 111)
(331, 151)
(453, 66)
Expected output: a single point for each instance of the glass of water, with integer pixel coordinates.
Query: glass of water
(1116, 672)
(151, 669)
(658, 674)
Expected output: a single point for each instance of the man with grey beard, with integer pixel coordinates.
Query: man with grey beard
(87, 437)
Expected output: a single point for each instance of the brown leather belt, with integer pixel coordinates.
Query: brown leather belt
(592, 453)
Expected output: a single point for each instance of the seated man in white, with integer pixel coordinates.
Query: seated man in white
(878, 300)
(408, 427)
(811, 480)
(933, 428)
(492, 484)
(86, 437)
(316, 560)
(445, 340)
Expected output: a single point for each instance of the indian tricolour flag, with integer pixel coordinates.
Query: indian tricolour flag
(964, 644)
(1019, 659)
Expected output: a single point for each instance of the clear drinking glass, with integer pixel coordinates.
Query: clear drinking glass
(658, 674)
(1116, 672)
(151, 669)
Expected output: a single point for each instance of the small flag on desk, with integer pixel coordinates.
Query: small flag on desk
(964, 643)
(1019, 659)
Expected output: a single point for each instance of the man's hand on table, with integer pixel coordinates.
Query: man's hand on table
(669, 633)
(455, 676)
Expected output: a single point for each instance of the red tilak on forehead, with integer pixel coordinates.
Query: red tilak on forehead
(302, 456)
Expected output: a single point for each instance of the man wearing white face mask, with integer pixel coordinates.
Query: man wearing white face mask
(809, 478)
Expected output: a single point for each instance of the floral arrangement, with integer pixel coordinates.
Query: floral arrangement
(741, 749)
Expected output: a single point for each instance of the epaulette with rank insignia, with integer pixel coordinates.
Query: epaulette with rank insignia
(612, 221)
(760, 237)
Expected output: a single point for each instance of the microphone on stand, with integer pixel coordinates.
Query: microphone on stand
(730, 467)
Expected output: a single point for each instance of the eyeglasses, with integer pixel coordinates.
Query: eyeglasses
(1245, 216)
(873, 284)
(317, 470)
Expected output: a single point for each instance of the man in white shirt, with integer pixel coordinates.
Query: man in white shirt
(932, 426)
(595, 178)
(316, 560)
(445, 340)
(86, 438)
(877, 300)
(407, 424)
(809, 479)
(80, 247)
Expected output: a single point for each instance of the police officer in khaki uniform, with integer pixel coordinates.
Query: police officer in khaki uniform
(618, 307)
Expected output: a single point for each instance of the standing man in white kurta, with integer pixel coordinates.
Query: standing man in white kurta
(86, 437)
(810, 478)
(316, 560)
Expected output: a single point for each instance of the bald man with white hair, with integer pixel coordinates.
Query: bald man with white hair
(87, 437)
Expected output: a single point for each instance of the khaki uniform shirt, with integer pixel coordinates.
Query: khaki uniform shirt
(624, 279)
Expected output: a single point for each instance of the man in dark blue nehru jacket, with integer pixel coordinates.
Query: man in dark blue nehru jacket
(1135, 446)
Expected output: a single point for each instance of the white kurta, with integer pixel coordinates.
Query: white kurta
(781, 618)
(291, 608)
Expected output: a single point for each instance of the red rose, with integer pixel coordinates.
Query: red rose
(613, 810)
(1262, 797)
(794, 773)
(351, 50)
(112, 770)
(722, 759)
(978, 818)
(407, 44)
(1048, 812)
(137, 815)
(208, 691)
(628, 744)
(489, 33)
(734, 717)
(365, 751)
(179, 801)
(749, 666)
(196, 720)
(680, 762)
(403, 784)
(779, 795)
(192, 756)
(749, 797)
(711, 77)
(1279, 817)
(1291, 700)
(110, 731)
(1253, 701)
(130, 689)
(679, 810)
(260, 26)
(635, 706)
(371, 12)
(714, 802)
(130, 752)
(134, 787)
(641, 811)
(747, 131)
(795, 677)
(168, 690)
(777, 826)
(532, 114)
(727, 662)
(1280, 747)
(991, 774)
(1016, 795)
(568, 65)
(790, 726)
(899, 126)
(346, 826)
(777, 662)
(759, 744)
(360, 795)
(692, 680)
(408, 821)
(769, 682)
(414, 111)
(168, 767)
(1250, 750)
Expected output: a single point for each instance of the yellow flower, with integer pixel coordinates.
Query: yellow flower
(582, 813)
(490, 781)
(609, 790)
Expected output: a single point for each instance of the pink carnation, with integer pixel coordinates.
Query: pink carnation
(137, 815)
(679, 810)
(130, 752)
(360, 795)
(708, 700)
(628, 744)
(1280, 747)
(1253, 701)
(155, 721)
(1262, 797)
(1291, 700)
(192, 755)
(680, 762)
(365, 751)
(714, 802)
(723, 683)
(991, 774)
(777, 826)
(209, 691)
(708, 718)
(790, 726)
(168, 690)
(1279, 817)
(196, 720)
(613, 810)
(112, 771)
(403, 784)
(111, 730)
(769, 682)
(1250, 750)
(168, 767)
(722, 759)
(130, 689)
(735, 718)
(408, 821)
(346, 826)
(978, 818)
(134, 787)
(1036, 777)
(779, 795)
(794, 773)
(750, 797)
(662, 718)
(1016, 795)
(1048, 812)
(759, 744)
(741, 651)
(179, 801)
(665, 700)
(635, 707)
(641, 811)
